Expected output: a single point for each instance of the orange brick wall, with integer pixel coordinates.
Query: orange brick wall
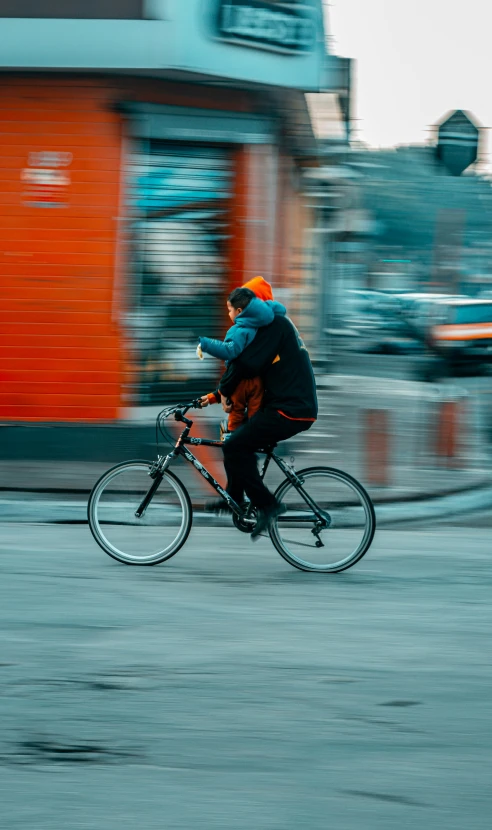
(60, 350)
(63, 356)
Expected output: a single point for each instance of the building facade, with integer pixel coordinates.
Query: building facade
(150, 161)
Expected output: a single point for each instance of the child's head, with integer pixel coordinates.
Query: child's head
(237, 301)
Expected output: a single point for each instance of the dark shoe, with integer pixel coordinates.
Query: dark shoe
(265, 519)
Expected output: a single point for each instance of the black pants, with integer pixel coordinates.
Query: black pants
(241, 465)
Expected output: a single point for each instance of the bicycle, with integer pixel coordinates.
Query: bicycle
(137, 523)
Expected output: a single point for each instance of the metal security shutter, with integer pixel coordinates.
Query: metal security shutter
(180, 202)
(162, 122)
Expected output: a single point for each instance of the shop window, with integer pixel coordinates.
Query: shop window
(180, 204)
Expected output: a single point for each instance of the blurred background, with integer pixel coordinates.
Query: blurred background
(156, 155)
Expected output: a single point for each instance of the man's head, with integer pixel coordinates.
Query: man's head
(260, 288)
(237, 301)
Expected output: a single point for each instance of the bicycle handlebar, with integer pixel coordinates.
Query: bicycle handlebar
(180, 407)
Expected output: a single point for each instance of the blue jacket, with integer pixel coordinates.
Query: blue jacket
(256, 314)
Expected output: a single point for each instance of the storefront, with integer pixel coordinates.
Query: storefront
(133, 202)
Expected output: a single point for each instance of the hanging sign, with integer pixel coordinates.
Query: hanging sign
(268, 25)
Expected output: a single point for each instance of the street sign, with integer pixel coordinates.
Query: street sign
(285, 26)
(457, 145)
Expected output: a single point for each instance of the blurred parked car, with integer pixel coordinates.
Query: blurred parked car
(462, 330)
(456, 333)
(377, 326)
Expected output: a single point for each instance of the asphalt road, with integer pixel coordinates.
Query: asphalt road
(227, 690)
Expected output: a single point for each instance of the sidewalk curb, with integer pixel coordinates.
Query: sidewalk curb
(470, 500)
(38, 511)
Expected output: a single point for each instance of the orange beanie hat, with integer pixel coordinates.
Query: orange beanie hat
(260, 287)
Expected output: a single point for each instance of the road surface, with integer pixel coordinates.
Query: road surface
(227, 690)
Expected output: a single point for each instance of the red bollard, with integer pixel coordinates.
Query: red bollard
(449, 421)
(376, 439)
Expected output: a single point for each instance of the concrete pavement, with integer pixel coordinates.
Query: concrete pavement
(49, 508)
(227, 690)
(420, 486)
(404, 465)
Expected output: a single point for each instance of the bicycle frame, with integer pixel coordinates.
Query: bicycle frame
(269, 456)
(181, 448)
(205, 442)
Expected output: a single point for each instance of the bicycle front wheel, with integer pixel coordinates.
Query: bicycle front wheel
(158, 534)
(337, 538)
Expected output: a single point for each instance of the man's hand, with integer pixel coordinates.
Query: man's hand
(204, 401)
(227, 407)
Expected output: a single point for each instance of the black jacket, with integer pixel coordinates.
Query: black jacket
(280, 358)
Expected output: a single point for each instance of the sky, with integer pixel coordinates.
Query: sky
(415, 61)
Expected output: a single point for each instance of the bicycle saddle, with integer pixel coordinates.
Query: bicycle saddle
(268, 448)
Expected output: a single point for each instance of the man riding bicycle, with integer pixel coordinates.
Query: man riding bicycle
(141, 513)
(279, 357)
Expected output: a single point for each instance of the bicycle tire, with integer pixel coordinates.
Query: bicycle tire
(369, 529)
(95, 521)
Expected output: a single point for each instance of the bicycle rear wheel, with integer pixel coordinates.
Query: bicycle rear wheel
(342, 537)
(158, 534)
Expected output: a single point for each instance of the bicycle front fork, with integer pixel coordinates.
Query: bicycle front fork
(139, 512)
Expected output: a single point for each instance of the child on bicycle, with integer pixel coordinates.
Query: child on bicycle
(249, 309)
